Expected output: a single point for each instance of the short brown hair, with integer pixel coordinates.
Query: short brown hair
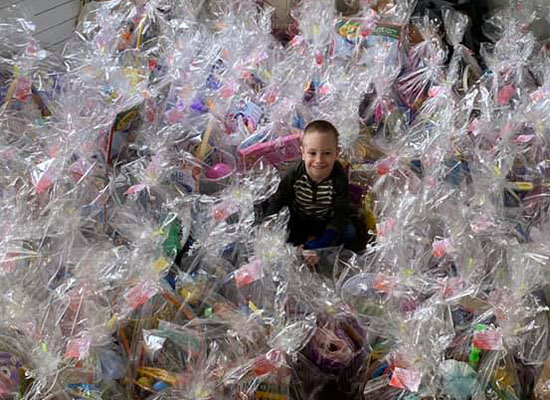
(321, 126)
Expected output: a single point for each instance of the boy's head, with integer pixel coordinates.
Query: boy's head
(319, 149)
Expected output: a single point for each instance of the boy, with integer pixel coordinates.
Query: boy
(316, 191)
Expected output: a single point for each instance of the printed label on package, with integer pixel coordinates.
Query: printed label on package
(139, 295)
(406, 379)
(488, 340)
(249, 273)
(78, 348)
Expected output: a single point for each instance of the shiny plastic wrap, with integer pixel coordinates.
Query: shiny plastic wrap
(28, 73)
(315, 33)
(426, 60)
(135, 262)
(508, 56)
(463, 70)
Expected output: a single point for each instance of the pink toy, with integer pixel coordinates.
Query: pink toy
(285, 148)
(218, 171)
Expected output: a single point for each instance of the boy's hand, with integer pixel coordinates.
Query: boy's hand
(310, 257)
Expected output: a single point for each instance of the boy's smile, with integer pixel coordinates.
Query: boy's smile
(319, 153)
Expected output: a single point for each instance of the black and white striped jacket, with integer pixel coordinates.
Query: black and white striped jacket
(324, 202)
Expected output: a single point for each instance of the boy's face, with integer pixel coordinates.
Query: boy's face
(319, 152)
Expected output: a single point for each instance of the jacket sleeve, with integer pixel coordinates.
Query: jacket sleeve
(284, 195)
(341, 216)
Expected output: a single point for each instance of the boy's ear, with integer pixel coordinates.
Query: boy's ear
(302, 151)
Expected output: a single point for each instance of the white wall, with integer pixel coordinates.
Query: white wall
(55, 19)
